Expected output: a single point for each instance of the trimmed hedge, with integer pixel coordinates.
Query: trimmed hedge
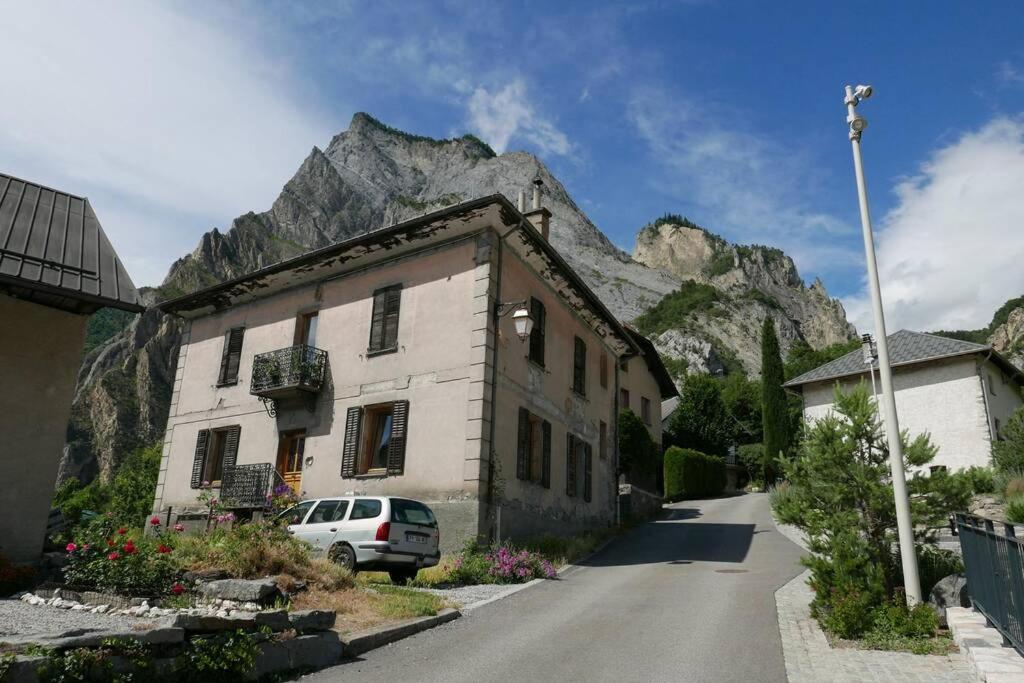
(692, 474)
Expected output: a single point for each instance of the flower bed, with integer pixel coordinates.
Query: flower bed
(501, 564)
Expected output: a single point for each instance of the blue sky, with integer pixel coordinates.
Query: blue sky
(176, 118)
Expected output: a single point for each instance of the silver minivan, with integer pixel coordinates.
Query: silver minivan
(396, 535)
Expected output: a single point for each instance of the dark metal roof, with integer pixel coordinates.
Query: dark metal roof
(905, 348)
(54, 251)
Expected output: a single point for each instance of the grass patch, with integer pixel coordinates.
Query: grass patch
(941, 644)
(359, 608)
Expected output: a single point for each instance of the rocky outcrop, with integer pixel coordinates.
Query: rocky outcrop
(1008, 338)
(371, 176)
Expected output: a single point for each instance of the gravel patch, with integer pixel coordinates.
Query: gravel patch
(20, 619)
(467, 596)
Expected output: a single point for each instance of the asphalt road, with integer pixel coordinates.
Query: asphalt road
(687, 598)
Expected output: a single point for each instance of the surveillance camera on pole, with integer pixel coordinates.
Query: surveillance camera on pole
(904, 523)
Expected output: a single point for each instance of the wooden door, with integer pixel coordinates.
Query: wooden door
(289, 459)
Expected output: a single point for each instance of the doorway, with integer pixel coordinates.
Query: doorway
(290, 454)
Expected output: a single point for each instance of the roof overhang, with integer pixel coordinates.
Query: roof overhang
(654, 364)
(430, 230)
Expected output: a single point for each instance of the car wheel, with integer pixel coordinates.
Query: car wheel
(343, 555)
(401, 577)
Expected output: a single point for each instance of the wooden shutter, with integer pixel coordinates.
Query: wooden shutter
(231, 356)
(199, 463)
(392, 303)
(604, 369)
(522, 445)
(377, 321)
(539, 316)
(231, 438)
(350, 449)
(579, 367)
(570, 465)
(545, 473)
(396, 445)
(587, 472)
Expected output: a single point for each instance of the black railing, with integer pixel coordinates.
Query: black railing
(246, 486)
(296, 367)
(994, 561)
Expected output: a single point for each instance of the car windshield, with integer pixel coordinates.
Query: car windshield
(296, 513)
(411, 512)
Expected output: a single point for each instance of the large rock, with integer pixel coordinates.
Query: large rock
(951, 591)
(241, 590)
(312, 620)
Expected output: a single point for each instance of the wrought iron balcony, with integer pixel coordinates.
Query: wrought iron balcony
(246, 486)
(289, 372)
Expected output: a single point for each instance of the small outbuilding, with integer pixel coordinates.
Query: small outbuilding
(56, 268)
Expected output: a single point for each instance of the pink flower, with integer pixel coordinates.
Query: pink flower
(85, 546)
(129, 548)
(177, 588)
(113, 556)
(179, 527)
(155, 521)
(71, 547)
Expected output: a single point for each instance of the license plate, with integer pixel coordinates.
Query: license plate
(415, 538)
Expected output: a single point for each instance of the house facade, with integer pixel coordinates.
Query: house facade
(391, 364)
(959, 392)
(56, 268)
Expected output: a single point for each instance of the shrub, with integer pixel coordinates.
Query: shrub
(690, 473)
(894, 618)
(128, 497)
(1008, 453)
(639, 458)
(1014, 489)
(751, 456)
(1015, 510)
(934, 564)
(501, 564)
(850, 613)
(785, 502)
(107, 558)
(982, 479)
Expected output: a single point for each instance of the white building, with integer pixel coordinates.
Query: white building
(959, 392)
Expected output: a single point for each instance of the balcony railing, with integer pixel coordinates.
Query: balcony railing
(288, 372)
(246, 486)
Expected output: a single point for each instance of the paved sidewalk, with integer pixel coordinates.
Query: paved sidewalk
(983, 647)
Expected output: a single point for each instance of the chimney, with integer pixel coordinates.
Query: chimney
(538, 215)
(522, 201)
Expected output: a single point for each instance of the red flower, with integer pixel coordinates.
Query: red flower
(177, 588)
(179, 527)
(163, 548)
(71, 547)
(155, 521)
(122, 531)
(110, 543)
(113, 556)
(129, 548)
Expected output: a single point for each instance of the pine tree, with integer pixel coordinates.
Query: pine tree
(774, 416)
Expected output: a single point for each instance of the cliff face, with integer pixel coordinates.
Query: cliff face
(1008, 338)
(371, 176)
(751, 282)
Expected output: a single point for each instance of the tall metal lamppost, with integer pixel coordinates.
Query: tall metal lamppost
(904, 523)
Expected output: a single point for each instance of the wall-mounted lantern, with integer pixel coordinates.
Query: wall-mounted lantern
(520, 317)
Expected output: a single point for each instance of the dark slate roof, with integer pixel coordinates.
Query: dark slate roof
(54, 251)
(905, 348)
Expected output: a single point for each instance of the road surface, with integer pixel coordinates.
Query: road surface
(687, 598)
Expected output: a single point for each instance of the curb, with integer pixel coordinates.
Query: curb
(355, 644)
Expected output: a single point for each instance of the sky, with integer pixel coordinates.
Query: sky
(174, 118)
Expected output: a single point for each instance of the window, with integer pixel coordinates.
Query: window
(539, 316)
(384, 322)
(937, 468)
(604, 370)
(623, 399)
(577, 468)
(305, 328)
(363, 508)
(328, 511)
(602, 444)
(231, 356)
(215, 450)
(296, 513)
(375, 439)
(579, 367)
(533, 449)
(645, 410)
(404, 511)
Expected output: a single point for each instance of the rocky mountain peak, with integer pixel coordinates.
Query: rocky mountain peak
(1008, 338)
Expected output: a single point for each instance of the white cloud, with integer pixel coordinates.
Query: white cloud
(506, 114)
(740, 182)
(1009, 74)
(170, 124)
(950, 252)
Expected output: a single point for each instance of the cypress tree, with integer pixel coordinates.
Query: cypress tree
(774, 416)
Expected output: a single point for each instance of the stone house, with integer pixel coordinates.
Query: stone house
(959, 392)
(391, 363)
(56, 268)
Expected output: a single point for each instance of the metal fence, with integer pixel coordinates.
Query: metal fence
(246, 486)
(296, 366)
(994, 561)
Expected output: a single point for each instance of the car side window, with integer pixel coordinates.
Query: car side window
(365, 509)
(295, 515)
(339, 514)
(326, 511)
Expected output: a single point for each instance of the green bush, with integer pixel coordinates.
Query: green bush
(692, 474)
(982, 479)
(1014, 489)
(638, 453)
(751, 456)
(118, 560)
(850, 613)
(1008, 453)
(129, 497)
(934, 564)
(896, 619)
(670, 312)
(785, 502)
(1015, 510)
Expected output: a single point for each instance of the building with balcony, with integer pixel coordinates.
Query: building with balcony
(398, 362)
(56, 268)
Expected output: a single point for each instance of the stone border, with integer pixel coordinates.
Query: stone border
(355, 644)
(990, 661)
